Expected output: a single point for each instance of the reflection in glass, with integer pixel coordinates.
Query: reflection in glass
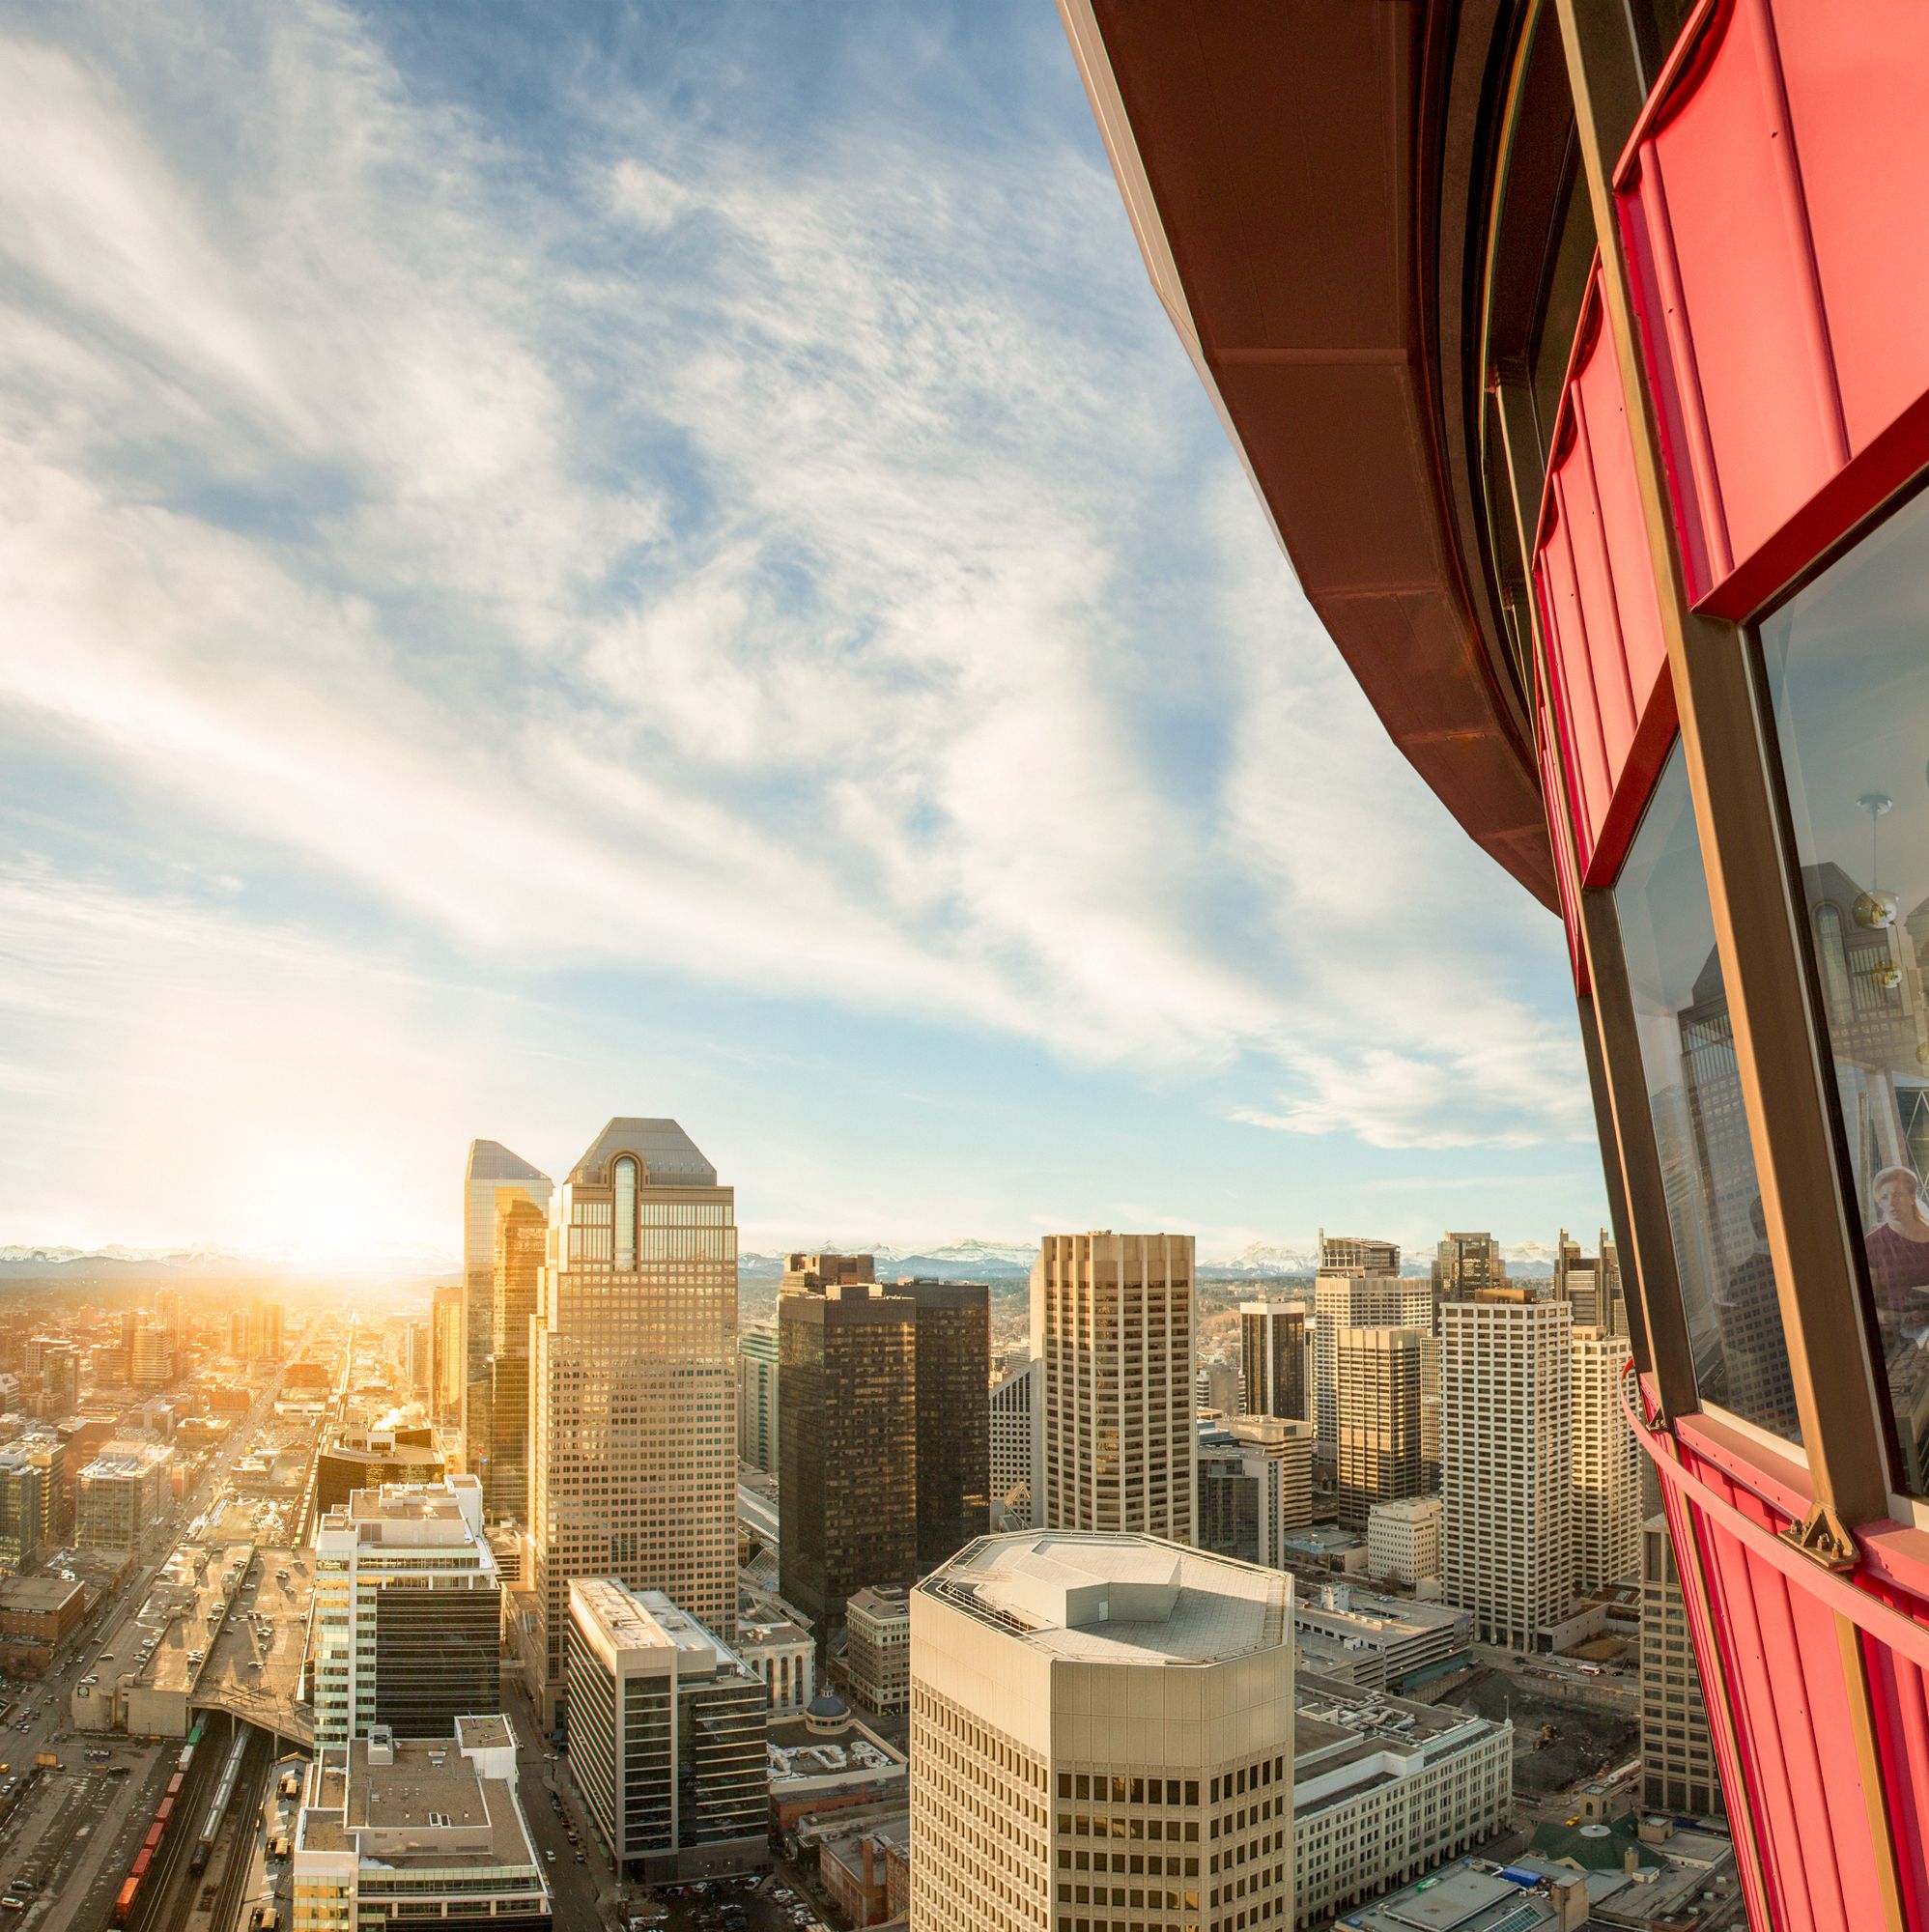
(625, 1212)
(1847, 663)
(1694, 1097)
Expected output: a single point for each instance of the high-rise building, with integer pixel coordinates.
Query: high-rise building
(1465, 1261)
(1376, 1382)
(878, 1654)
(269, 1331)
(240, 1334)
(1114, 1445)
(1013, 1404)
(1366, 1292)
(1634, 589)
(1273, 1360)
(1591, 1284)
(1255, 1486)
(445, 1346)
(522, 1243)
(756, 1398)
(1678, 1771)
(150, 1365)
(666, 1736)
(60, 1379)
(1606, 1464)
(119, 1496)
(493, 1177)
(365, 1451)
(405, 1629)
(808, 1275)
(953, 1349)
(1075, 1693)
(1429, 1413)
(632, 1450)
(1403, 1541)
(847, 1434)
(23, 1490)
(1506, 1464)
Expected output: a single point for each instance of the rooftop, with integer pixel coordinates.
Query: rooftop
(671, 1158)
(1116, 1598)
(1345, 1737)
(491, 1160)
(34, 1596)
(629, 1627)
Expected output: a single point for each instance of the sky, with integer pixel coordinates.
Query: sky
(665, 559)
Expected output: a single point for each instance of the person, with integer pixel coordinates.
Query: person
(1898, 1250)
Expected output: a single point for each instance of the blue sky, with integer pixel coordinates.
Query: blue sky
(665, 559)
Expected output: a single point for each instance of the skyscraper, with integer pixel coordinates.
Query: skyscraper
(1506, 1464)
(804, 1274)
(494, 1174)
(633, 1372)
(756, 1398)
(1465, 1261)
(953, 1365)
(521, 1240)
(1607, 1463)
(1273, 1360)
(1012, 1406)
(1591, 1284)
(1112, 1327)
(1377, 1375)
(270, 1331)
(445, 1344)
(1255, 1488)
(1359, 1285)
(847, 1446)
(1678, 1771)
(1101, 1730)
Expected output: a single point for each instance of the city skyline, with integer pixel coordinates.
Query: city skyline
(457, 657)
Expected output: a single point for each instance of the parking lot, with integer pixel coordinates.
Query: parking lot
(725, 1905)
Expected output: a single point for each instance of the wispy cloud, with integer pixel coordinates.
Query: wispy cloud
(785, 551)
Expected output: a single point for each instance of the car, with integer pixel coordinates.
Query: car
(551, 1853)
(578, 1857)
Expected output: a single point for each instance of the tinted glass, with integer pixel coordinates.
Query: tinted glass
(1694, 1098)
(1847, 663)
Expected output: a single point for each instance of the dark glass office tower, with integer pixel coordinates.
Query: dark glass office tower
(1273, 1360)
(953, 1372)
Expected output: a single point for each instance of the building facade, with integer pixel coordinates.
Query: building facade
(22, 1509)
(1273, 1360)
(1366, 1291)
(666, 1736)
(1506, 1465)
(405, 1624)
(633, 1416)
(1071, 1692)
(493, 1178)
(1603, 478)
(1608, 1465)
(1678, 1767)
(119, 1496)
(877, 1658)
(1376, 1377)
(1013, 1405)
(953, 1349)
(1403, 1542)
(756, 1398)
(1255, 1488)
(1114, 1444)
(521, 1248)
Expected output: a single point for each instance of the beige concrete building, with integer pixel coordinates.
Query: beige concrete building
(1678, 1771)
(1608, 1463)
(1506, 1464)
(1376, 1413)
(1114, 1445)
(494, 1179)
(632, 1437)
(1403, 1542)
(877, 1651)
(1101, 1736)
(1014, 1402)
(1359, 1285)
(756, 1398)
(1255, 1488)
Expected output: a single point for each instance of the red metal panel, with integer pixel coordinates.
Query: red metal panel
(1583, 751)
(1774, 207)
(1901, 1700)
(1555, 795)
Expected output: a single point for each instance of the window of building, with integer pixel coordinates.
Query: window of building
(625, 1212)
(1848, 681)
(1694, 1102)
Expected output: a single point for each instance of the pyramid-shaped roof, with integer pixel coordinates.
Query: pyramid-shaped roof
(670, 1157)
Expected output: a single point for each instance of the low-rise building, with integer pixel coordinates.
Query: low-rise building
(1403, 1542)
(393, 1832)
(828, 1761)
(120, 1494)
(1386, 1642)
(868, 1872)
(877, 1653)
(780, 1650)
(666, 1735)
(1384, 1789)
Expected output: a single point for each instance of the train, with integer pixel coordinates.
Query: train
(217, 1808)
(171, 1801)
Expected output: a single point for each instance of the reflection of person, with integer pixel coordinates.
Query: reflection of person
(1898, 1250)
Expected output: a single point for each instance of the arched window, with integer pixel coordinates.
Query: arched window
(625, 1212)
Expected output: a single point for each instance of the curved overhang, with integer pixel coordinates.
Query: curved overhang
(1269, 156)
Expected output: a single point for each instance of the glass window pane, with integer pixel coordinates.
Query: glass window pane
(625, 1212)
(1847, 663)
(1694, 1098)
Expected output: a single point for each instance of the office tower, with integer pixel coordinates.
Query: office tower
(1465, 1261)
(1376, 1380)
(1255, 1486)
(1215, 1389)
(632, 1453)
(1607, 1463)
(1366, 1292)
(1678, 1771)
(1273, 1360)
(1506, 1463)
(953, 1352)
(120, 1494)
(1403, 1541)
(60, 1379)
(521, 1239)
(808, 1275)
(1101, 1729)
(411, 1357)
(1712, 408)
(47, 1452)
(240, 1334)
(395, 1830)
(170, 1311)
(23, 1490)
(1591, 1284)
(756, 1398)
(877, 1655)
(666, 1736)
(150, 1365)
(365, 1451)
(1430, 1415)
(406, 1628)
(1012, 1406)
(269, 1331)
(493, 1177)
(1113, 1446)
(446, 1347)
(847, 1446)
